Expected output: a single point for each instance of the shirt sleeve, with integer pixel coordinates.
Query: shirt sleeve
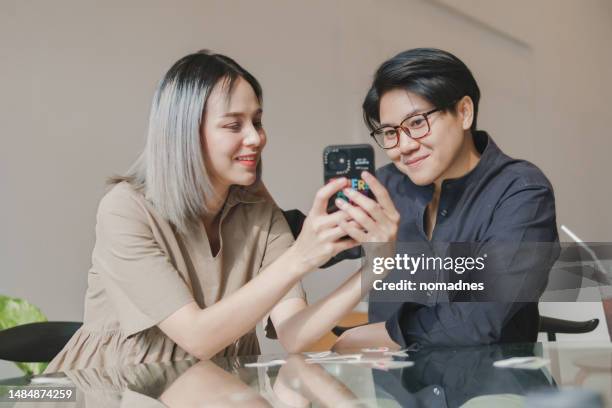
(527, 214)
(279, 240)
(141, 282)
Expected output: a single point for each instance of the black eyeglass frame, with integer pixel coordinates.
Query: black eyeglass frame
(405, 129)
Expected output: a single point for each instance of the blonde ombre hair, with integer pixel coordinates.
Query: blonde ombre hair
(171, 171)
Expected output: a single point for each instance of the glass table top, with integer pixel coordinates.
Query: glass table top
(442, 377)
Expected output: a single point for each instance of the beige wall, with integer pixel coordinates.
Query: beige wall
(77, 78)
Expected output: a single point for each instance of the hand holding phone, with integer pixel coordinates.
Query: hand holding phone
(321, 236)
(370, 221)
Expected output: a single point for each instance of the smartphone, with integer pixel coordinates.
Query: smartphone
(348, 161)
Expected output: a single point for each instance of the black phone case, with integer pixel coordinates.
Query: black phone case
(348, 161)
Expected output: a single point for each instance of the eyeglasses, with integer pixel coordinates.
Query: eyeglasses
(415, 126)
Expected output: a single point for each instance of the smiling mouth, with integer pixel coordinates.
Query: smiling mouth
(249, 160)
(416, 161)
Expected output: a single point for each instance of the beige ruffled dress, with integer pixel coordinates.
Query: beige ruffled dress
(143, 270)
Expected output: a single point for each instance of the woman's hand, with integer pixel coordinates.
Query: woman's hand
(370, 221)
(319, 239)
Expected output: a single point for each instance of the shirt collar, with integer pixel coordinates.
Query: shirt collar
(489, 152)
(244, 195)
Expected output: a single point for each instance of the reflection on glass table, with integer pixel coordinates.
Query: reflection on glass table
(460, 377)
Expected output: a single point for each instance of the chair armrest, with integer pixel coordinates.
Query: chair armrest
(35, 342)
(552, 325)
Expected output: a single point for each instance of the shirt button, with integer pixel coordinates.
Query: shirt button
(443, 213)
(436, 391)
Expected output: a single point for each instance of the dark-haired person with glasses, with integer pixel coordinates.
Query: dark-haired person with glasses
(451, 183)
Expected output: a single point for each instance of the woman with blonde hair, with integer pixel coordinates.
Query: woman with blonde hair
(191, 252)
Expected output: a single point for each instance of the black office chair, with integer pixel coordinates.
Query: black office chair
(552, 326)
(35, 342)
(548, 325)
(338, 330)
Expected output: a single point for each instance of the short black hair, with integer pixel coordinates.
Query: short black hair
(438, 76)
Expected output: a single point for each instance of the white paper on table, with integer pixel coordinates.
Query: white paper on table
(270, 363)
(528, 363)
(375, 350)
(335, 358)
(399, 353)
(391, 365)
(319, 355)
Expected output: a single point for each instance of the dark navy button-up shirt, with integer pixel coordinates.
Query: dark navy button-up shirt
(501, 199)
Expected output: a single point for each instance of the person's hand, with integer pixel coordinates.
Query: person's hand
(367, 336)
(319, 239)
(370, 221)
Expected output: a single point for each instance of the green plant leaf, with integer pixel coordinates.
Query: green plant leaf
(15, 312)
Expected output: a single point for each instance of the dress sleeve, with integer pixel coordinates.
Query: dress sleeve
(141, 282)
(279, 240)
